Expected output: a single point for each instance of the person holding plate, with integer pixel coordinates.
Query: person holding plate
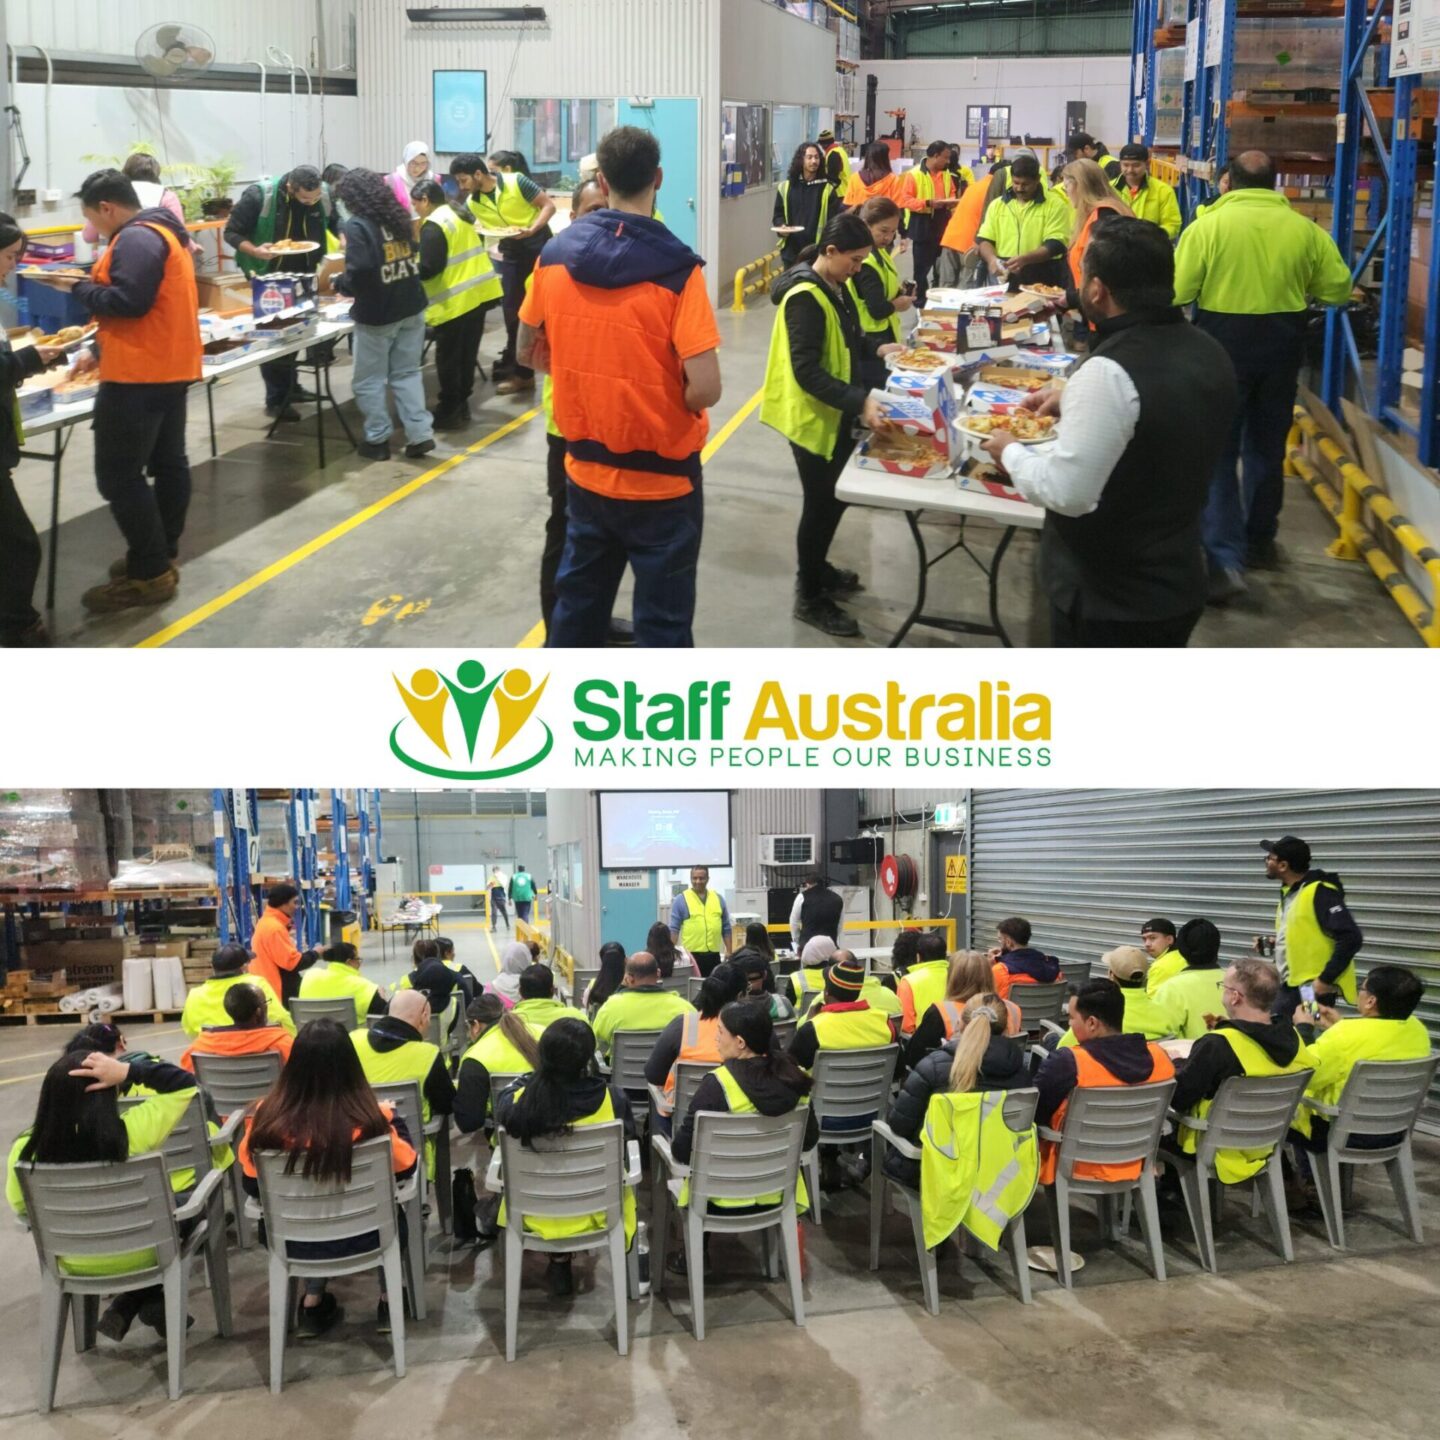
(804, 201)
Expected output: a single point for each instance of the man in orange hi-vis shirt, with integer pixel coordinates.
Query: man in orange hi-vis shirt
(276, 958)
(620, 317)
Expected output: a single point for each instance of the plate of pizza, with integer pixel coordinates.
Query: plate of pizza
(920, 361)
(1024, 428)
(293, 247)
(1044, 292)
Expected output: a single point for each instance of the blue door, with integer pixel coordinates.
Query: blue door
(627, 903)
(676, 124)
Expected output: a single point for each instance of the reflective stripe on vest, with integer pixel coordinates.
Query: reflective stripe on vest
(703, 927)
(504, 206)
(927, 190)
(785, 405)
(950, 1015)
(468, 280)
(739, 1103)
(1233, 1166)
(881, 262)
(1307, 947)
(820, 220)
(162, 346)
(699, 1040)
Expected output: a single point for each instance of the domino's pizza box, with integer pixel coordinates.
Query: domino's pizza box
(922, 442)
(994, 400)
(983, 477)
(934, 392)
(900, 452)
(35, 401)
(947, 298)
(934, 337)
(297, 322)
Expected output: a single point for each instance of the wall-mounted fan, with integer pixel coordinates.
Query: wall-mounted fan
(174, 51)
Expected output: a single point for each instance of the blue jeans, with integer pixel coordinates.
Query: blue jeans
(658, 539)
(389, 355)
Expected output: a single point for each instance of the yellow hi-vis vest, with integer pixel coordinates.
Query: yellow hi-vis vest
(468, 279)
(927, 984)
(926, 189)
(1307, 947)
(851, 1029)
(975, 1170)
(1234, 1166)
(1172, 962)
(881, 262)
(703, 928)
(1337, 1051)
(784, 405)
(339, 982)
(412, 1061)
(807, 983)
(549, 1228)
(495, 1051)
(1143, 1016)
(205, 1004)
(739, 1103)
(504, 207)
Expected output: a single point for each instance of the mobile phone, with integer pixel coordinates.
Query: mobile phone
(908, 288)
(1307, 994)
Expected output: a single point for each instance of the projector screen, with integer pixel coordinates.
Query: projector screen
(664, 829)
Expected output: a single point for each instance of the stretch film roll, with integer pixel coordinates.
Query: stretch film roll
(139, 985)
(169, 982)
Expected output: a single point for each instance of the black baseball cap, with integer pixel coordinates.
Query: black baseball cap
(1159, 926)
(1134, 152)
(1289, 848)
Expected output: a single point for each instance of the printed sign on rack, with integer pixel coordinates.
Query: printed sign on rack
(1192, 50)
(1214, 34)
(1415, 42)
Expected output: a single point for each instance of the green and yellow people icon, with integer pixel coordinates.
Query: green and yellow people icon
(429, 695)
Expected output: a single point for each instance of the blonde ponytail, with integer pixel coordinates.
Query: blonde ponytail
(985, 1016)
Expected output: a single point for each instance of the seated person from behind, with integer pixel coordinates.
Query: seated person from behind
(537, 1005)
(1193, 992)
(248, 1033)
(754, 967)
(607, 982)
(978, 1056)
(1103, 1055)
(1143, 1015)
(846, 1021)
(693, 1035)
(924, 979)
(501, 1043)
(205, 1002)
(1015, 962)
(969, 976)
(339, 978)
(1386, 1029)
(641, 1003)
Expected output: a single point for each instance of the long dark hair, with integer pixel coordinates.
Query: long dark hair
(662, 947)
(797, 162)
(423, 950)
(877, 163)
(757, 937)
(488, 1010)
(102, 1037)
(749, 1020)
(846, 231)
(612, 971)
(74, 1124)
(367, 195)
(321, 1107)
(718, 989)
(566, 1049)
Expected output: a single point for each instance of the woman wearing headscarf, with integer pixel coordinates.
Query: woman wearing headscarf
(414, 167)
(515, 959)
(809, 980)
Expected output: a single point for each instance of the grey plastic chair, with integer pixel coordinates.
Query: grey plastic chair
(107, 1209)
(342, 1011)
(297, 1209)
(784, 1033)
(629, 1050)
(734, 1157)
(1019, 1115)
(232, 1083)
(851, 1090)
(1039, 1004)
(1108, 1125)
(1250, 1112)
(1381, 1097)
(692, 987)
(405, 1098)
(499, 1083)
(582, 977)
(688, 1075)
(679, 984)
(583, 1173)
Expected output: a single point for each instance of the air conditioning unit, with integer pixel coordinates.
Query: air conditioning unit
(787, 849)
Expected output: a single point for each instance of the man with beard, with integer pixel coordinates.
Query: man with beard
(1143, 421)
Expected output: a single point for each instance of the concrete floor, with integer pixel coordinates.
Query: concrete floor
(1331, 1346)
(455, 562)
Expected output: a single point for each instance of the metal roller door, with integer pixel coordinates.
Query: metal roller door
(1087, 867)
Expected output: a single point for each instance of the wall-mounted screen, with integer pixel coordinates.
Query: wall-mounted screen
(460, 126)
(662, 829)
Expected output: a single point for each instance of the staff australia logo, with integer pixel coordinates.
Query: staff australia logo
(452, 718)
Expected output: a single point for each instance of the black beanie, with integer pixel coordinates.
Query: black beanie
(1199, 942)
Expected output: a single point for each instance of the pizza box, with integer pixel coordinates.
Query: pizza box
(922, 409)
(934, 337)
(983, 477)
(994, 400)
(869, 455)
(935, 392)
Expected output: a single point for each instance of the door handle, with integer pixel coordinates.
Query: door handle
(691, 202)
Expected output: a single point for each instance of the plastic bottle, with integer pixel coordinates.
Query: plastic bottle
(642, 1255)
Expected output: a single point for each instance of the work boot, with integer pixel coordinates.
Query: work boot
(560, 1278)
(841, 582)
(1263, 555)
(824, 614)
(454, 419)
(315, 1320)
(120, 568)
(128, 594)
(113, 1324)
(283, 412)
(301, 396)
(516, 385)
(419, 449)
(1225, 586)
(152, 1313)
(374, 450)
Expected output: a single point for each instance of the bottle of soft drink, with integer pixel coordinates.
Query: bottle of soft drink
(642, 1255)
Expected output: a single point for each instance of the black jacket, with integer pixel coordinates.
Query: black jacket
(390, 1034)
(1335, 919)
(1126, 1057)
(1043, 969)
(1212, 1061)
(805, 197)
(310, 223)
(821, 911)
(137, 266)
(767, 1094)
(805, 326)
(1003, 1068)
(157, 1075)
(584, 1098)
(16, 366)
(381, 275)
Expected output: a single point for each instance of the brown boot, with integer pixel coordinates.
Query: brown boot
(517, 385)
(127, 594)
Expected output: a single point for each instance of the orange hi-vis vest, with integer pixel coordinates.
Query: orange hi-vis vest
(698, 1041)
(1090, 1072)
(162, 346)
(960, 232)
(951, 1015)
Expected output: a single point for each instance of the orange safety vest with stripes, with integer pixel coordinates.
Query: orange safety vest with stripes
(698, 1041)
(951, 1014)
(1090, 1072)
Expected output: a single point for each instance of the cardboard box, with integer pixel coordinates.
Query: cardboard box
(273, 293)
(17, 982)
(922, 407)
(49, 987)
(42, 1007)
(148, 949)
(226, 293)
(55, 955)
(994, 400)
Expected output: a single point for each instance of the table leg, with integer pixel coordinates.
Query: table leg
(210, 409)
(999, 555)
(339, 413)
(912, 519)
(56, 455)
(320, 415)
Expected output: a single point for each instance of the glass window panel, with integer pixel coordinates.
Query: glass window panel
(788, 133)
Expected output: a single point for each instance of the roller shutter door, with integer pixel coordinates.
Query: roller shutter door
(1087, 867)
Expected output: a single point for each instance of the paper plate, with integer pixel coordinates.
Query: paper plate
(505, 232)
(788, 229)
(1042, 1257)
(1043, 292)
(986, 434)
(295, 247)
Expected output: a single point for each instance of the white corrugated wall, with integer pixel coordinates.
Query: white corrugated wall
(771, 812)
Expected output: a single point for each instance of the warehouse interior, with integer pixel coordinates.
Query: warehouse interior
(291, 542)
(91, 881)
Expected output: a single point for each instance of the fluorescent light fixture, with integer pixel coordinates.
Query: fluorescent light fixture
(475, 14)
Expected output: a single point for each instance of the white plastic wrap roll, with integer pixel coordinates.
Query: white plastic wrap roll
(139, 984)
(169, 982)
(73, 1004)
(109, 1004)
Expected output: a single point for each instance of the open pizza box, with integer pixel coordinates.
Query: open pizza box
(923, 443)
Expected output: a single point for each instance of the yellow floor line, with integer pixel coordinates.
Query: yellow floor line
(288, 562)
(494, 953)
(16, 1079)
(535, 636)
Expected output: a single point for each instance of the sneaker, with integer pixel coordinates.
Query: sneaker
(114, 1325)
(516, 385)
(315, 1320)
(841, 582)
(824, 614)
(130, 594)
(484, 1239)
(374, 450)
(560, 1279)
(1225, 586)
(283, 412)
(419, 449)
(382, 1318)
(621, 632)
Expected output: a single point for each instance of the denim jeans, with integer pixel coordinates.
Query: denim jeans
(389, 356)
(658, 539)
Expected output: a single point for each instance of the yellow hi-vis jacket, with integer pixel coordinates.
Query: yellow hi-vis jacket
(1234, 1166)
(1144, 1015)
(789, 408)
(468, 279)
(411, 1061)
(504, 207)
(1172, 962)
(975, 1170)
(1154, 201)
(1307, 947)
(1338, 1050)
(339, 982)
(205, 1004)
